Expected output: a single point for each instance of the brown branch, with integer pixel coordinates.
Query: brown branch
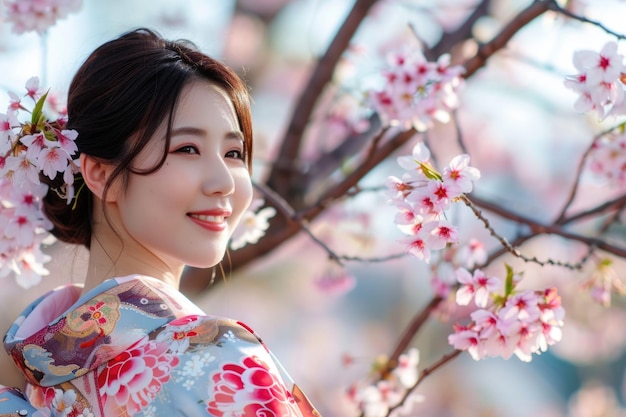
(427, 371)
(537, 228)
(615, 204)
(537, 8)
(574, 190)
(363, 168)
(284, 175)
(409, 333)
(449, 39)
(328, 162)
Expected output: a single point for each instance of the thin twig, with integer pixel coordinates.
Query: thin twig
(579, 171)
(554, 6)
(287, 211)
(536, 230)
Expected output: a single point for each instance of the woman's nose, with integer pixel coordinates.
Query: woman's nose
(219, 178)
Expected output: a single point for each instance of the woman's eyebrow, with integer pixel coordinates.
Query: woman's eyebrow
(196, 131)
(188, 130)
(235, 134)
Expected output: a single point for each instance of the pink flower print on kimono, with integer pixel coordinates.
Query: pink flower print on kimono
(249, 383)
(133, 378)
(179, 333)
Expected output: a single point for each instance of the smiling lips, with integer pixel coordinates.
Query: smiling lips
(214, 220)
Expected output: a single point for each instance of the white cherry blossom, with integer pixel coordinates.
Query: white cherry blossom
(253, 225)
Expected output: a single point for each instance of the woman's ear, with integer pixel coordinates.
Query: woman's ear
(96, 175)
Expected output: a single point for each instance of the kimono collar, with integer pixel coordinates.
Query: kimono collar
(62, 335)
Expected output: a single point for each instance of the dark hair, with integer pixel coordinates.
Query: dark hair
(118, 99)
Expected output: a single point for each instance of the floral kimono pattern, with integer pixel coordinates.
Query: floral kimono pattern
(134, 346)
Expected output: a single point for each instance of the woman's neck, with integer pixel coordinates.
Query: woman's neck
(115, 254)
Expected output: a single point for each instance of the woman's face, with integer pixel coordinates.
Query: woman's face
(187, 210)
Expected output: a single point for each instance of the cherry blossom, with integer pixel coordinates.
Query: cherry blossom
(52, 160)
(27, 150)
(28, 266)
(443, 280)
(459, 175)
(477, 287)
(422, 195)
(38, 15)
(376, 399)
(406, 372)
(7, 135)
(604, 281)
(607, 158)
(32, 88)
(468, 339)
(21, 168)
(253, 225)
(15, 103)
(335, 280)
(420, 154)
(445, 233)
(514, 323)
(603, 67)
(415, 92)
(418, 244)
(598, 81)
(472, 253)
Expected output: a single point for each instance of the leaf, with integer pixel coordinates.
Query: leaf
(509, 285)
(38, 110)
(429, 171)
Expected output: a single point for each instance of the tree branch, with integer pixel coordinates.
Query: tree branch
(285, 174)
(427, 371)
(537, 8)
(449, 39)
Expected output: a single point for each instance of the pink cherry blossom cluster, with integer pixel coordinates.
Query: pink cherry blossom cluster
(607, 159)
(599, 81)
(416, 92)
(38, 15)
(422, 197)
(520, 323)
(29, 149)
(376, 399)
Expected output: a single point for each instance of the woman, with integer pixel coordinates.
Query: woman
(165, 145)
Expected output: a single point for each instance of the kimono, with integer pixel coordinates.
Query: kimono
(134, 346)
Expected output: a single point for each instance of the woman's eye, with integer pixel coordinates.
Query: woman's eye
(188, 149)
(237, 154)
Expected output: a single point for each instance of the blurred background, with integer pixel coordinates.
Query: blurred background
(522, 133)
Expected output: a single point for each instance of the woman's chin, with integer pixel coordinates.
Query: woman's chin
(204, 263)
